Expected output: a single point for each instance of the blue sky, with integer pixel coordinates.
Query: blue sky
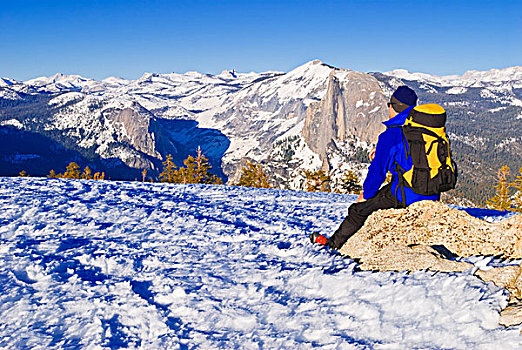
(98, 39)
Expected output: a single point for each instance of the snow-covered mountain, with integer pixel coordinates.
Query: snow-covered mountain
(99, 264)
(4, 82)
(315, 116)
(470, 78)
(504, 85)
(249, 113)
(66, 82)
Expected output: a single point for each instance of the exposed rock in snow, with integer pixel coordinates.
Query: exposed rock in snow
(512, 315)
(507, 277)
(434, 223)
(138, 130)
(418, 238)
(412, 258)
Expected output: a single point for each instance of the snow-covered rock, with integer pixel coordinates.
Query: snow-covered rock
(268, 109)
(12, 122)
(114, 82)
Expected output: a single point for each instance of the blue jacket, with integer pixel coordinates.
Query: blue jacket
(390, 149)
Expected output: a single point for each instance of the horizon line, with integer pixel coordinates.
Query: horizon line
(265, 71)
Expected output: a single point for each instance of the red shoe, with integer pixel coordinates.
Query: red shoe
(318, 238)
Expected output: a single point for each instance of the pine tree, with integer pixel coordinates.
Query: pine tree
(350, 182)
(517, 198)
(501, 200)
(23, 174)
(202, 168)
(72, 171)
(317, 181)
(196, 170)
(169, 172)
(87, 173)
(52, 174)
(202, 172)
(188, 173)
(252, 175)
(144, 175)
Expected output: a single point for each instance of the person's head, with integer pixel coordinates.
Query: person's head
(401, 99)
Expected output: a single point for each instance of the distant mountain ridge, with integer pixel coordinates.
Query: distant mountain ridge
(315, 116)
(469, 78)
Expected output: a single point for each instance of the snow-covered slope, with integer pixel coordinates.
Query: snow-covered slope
(8, 82)
(182, 95)
(86, 264)
(499, 85)
(116, 82)
(113, 128)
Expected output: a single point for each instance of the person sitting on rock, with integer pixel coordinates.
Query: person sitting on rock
(388, 153)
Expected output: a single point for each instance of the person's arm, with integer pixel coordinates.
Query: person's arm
(378, 167)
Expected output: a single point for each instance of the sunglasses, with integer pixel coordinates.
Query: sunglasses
(390, 104)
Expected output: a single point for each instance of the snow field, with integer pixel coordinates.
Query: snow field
(98, 264)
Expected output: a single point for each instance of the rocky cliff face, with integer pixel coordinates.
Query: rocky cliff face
(113, 129)
(354, 107)
(138, 130)
(269, 109)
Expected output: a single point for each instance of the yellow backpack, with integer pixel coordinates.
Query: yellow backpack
(433, 170)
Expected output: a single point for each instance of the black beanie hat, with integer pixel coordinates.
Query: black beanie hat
(403, 98)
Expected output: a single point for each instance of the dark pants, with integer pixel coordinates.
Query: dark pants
(359, 212)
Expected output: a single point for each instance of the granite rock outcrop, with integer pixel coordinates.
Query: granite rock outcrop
(430, 235)
(353, 107)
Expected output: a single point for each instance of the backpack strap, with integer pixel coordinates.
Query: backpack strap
(400, 171)
(438, 139)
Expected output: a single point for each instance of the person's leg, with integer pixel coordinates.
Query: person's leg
(359, 212)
